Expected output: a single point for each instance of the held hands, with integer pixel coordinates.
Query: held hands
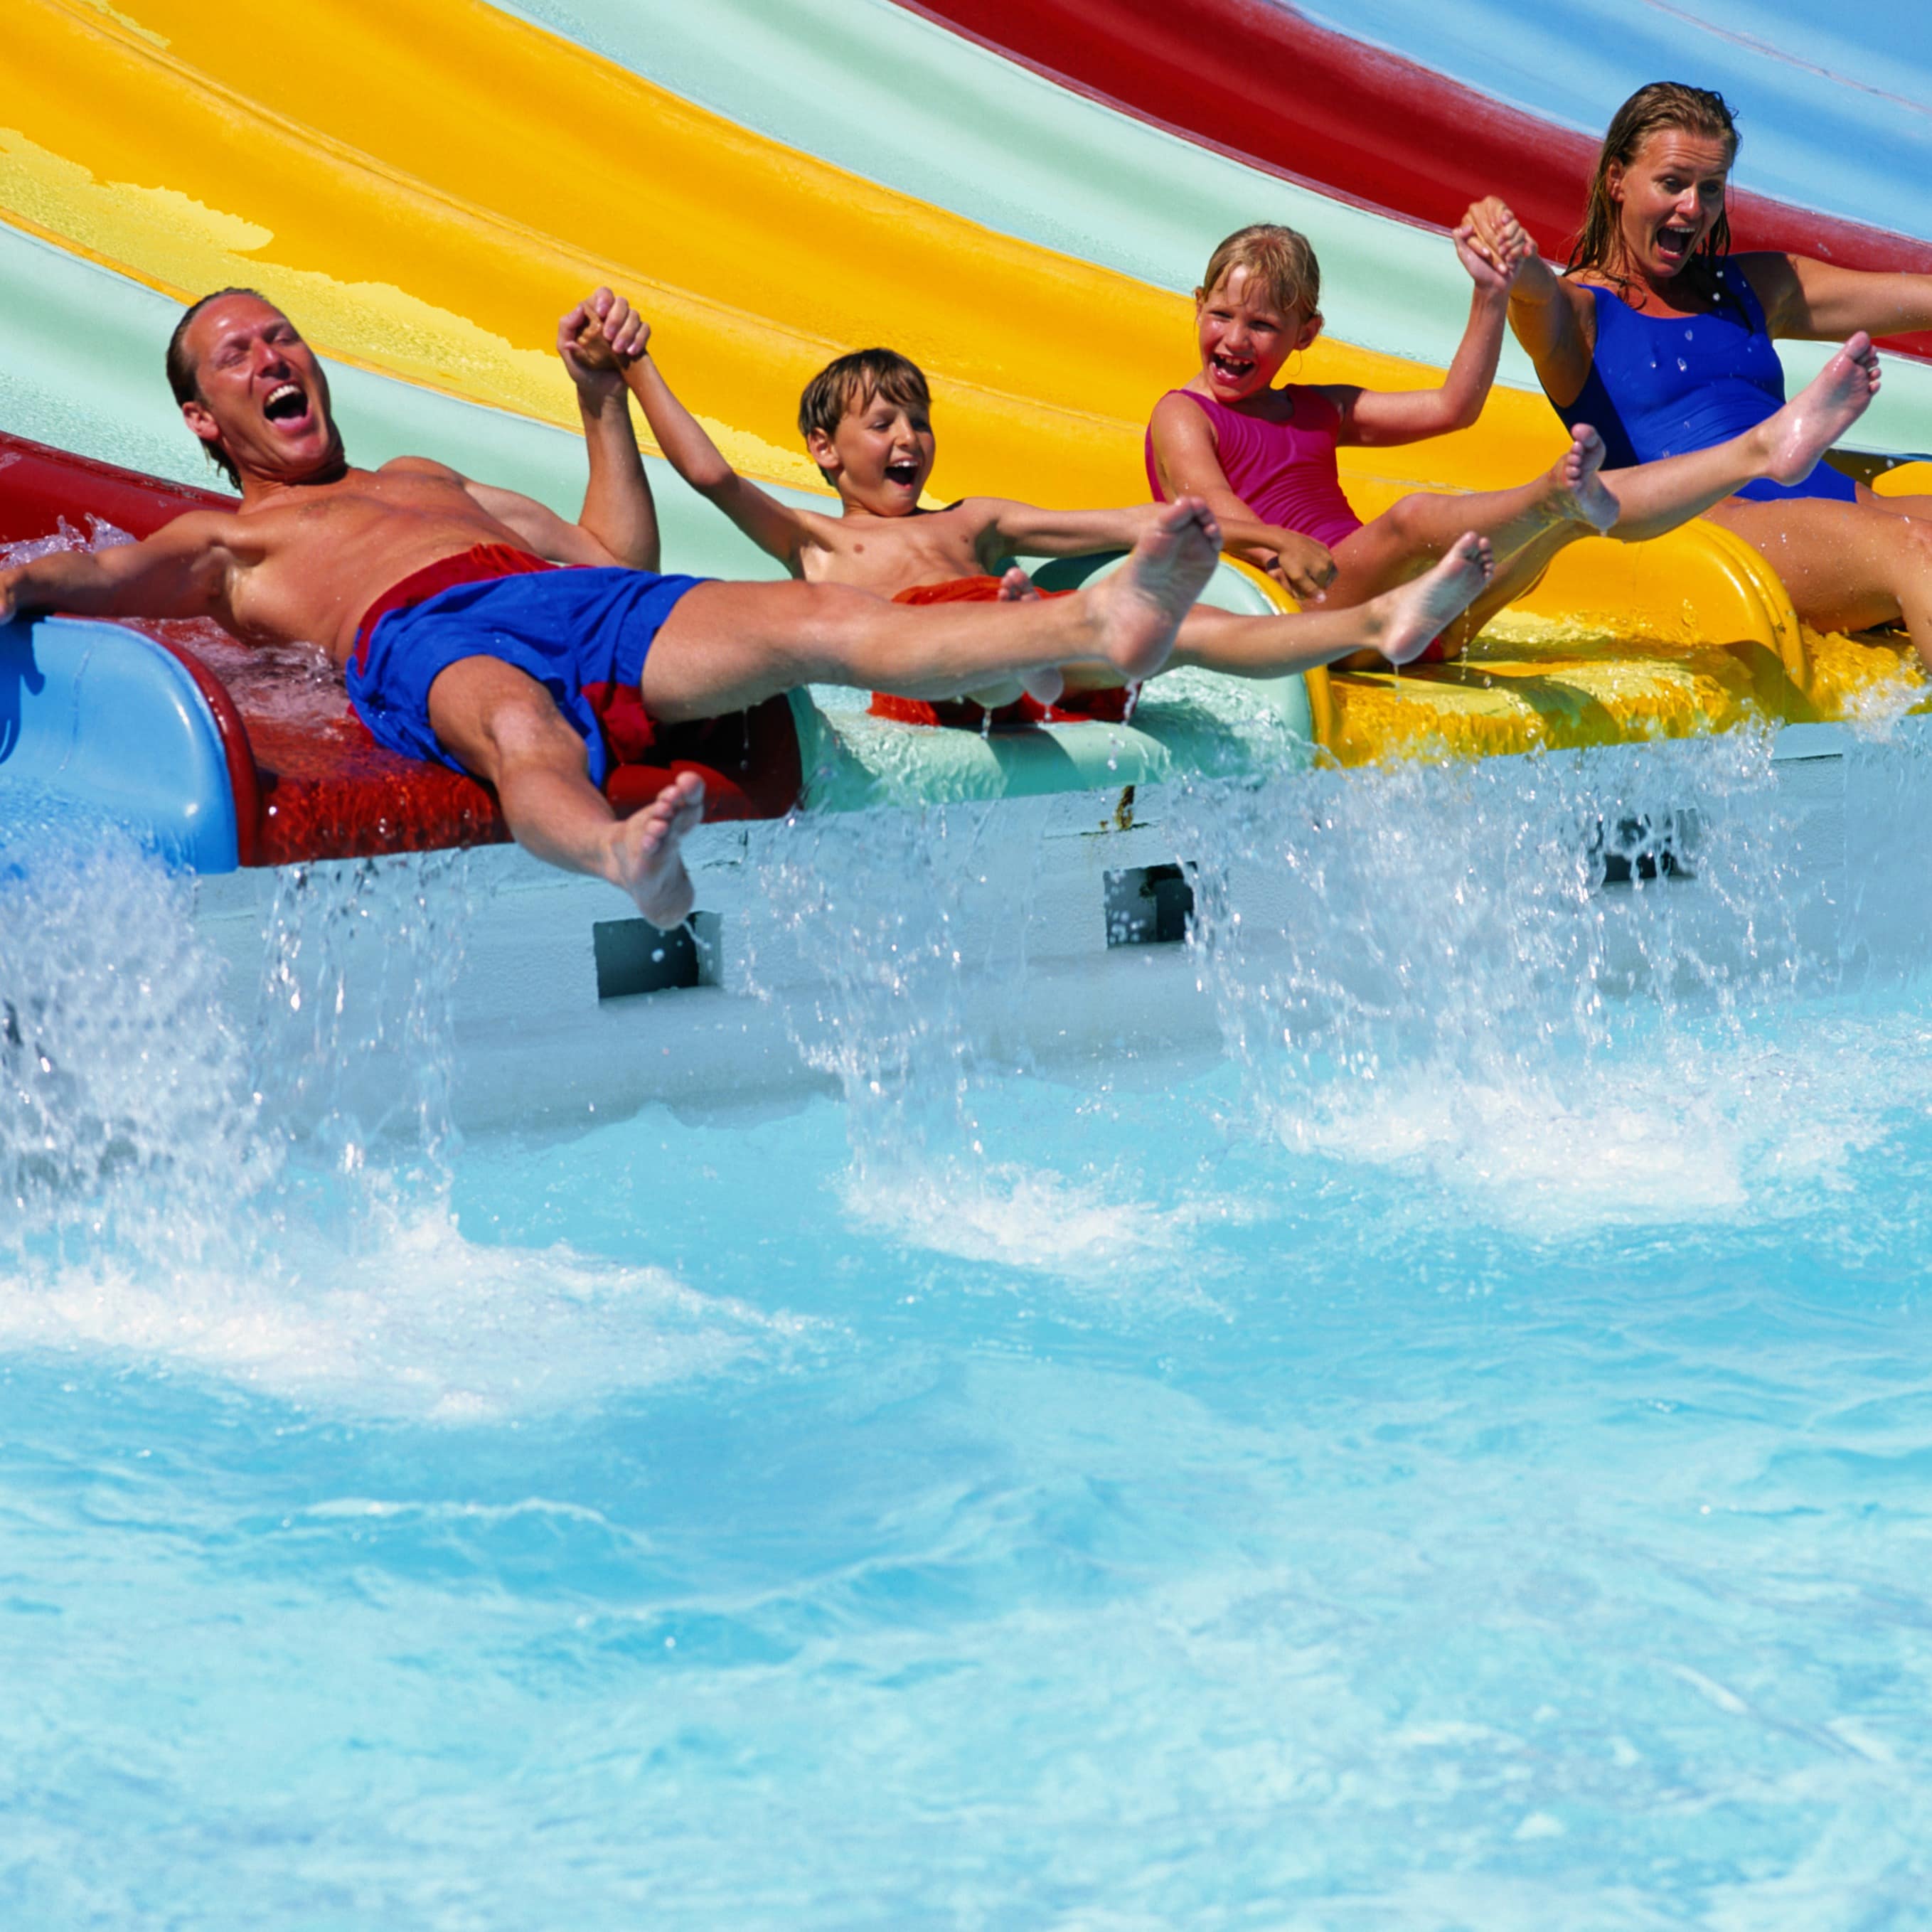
(600, 338)
(1492, 245)
(1300, 564)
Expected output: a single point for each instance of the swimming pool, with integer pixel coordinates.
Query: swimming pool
(1440, 1440)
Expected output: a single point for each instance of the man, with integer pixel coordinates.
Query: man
(438, 598)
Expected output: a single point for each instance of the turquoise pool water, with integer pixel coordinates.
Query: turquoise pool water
(1456, 1456)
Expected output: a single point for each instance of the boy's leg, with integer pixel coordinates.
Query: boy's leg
(500, 724)
(727, 646)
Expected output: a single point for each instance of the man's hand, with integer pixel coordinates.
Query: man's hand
(1300, 563)
(600, 338)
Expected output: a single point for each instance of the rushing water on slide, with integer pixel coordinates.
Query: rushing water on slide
(1455, 1457)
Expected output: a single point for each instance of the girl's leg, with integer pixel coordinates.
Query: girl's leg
(1568, 502)
(1394, 626)
(1846, 567)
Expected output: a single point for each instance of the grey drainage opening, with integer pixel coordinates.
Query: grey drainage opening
(1148, 905)
(633, 957)
(1639, 848)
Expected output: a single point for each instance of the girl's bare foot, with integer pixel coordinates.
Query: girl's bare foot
(1821, 412)
(1579, 490)
(1416, 612)
(645, 859)
(1136, 611)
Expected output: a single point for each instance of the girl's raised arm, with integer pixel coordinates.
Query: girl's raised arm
(1370, 416)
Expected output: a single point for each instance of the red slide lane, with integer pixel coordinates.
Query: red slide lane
(1270, 88)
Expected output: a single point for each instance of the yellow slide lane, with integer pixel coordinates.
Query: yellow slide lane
(428, 183)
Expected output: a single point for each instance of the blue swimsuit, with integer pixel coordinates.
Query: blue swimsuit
(1660, 385)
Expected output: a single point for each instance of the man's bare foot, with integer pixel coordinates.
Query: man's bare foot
(645, 859)
(1578, 490)
(1136, 611)
(1416, 612)
(1820, 412)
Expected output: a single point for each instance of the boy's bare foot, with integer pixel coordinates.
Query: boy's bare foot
(1578, 490)
(1416, 612)
(1137, 610)
(1821, 412)
(645, 859)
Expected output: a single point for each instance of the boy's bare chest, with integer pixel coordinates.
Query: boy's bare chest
(887, 555)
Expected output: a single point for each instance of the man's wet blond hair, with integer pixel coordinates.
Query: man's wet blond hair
(1280, 259)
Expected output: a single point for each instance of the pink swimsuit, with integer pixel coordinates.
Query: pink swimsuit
(1284, 472)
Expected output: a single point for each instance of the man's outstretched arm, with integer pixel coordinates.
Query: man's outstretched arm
(181, 571)
(619, 521)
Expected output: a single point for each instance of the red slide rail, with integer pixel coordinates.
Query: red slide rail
(1270, 88)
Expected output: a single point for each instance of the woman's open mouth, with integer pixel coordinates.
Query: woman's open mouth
(1674, 242)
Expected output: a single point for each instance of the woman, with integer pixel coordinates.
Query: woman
(1661, 339)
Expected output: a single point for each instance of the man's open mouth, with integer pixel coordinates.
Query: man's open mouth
(286, 403)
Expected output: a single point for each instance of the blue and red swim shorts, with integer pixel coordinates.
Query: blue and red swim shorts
(582, 632)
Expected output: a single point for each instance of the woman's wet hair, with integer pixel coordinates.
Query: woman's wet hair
(852, 381)
(1280, 259)
(1664, 105)
(182, 379)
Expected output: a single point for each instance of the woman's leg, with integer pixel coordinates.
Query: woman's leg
(1845, 566)
(1525, 526)
(1528, 527)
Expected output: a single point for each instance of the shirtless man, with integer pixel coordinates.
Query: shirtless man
(437, 598)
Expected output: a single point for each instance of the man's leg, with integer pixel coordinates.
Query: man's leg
(725, 646)
(500, 725)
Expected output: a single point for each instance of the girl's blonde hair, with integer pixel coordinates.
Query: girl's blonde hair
(1278, 258)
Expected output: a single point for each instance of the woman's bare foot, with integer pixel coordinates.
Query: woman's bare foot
(1820, 412)
(1578, 492)
(645, 859)
(1414, 613)
(1136, 611)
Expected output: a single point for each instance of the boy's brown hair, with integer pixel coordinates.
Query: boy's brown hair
(1282, 259)
(852, 382)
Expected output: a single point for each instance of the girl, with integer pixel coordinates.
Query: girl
(1264, 457)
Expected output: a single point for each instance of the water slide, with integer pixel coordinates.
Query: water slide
(1020, 198)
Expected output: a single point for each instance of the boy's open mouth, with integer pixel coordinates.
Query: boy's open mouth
(1674, 242)
(286, 403)
(904, 472)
